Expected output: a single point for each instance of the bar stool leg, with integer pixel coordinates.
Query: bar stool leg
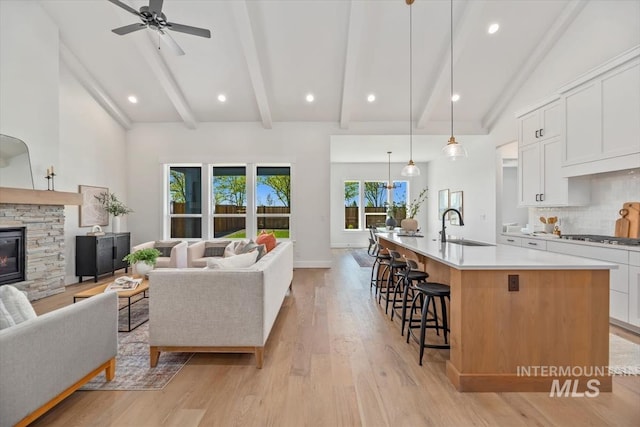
(423, 326)
(444, 320)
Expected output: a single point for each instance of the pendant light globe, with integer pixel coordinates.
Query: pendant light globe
(410, 169)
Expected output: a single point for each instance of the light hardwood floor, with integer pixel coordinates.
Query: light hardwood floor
(333, 359)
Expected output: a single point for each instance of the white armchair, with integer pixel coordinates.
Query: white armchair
(178, 258)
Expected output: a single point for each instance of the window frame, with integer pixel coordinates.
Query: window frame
(212, 215)
(168, 215)
(360, 210)
(289, 215)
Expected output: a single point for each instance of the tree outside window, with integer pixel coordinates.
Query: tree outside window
(229, 188)
(352, 205)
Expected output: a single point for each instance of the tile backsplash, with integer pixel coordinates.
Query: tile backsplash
(608, 192)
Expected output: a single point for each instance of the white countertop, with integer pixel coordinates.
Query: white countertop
(498, 257)
(542, 236)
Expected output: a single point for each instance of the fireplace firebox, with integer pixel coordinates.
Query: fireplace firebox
(12, 255)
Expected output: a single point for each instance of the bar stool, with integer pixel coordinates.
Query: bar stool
(411, 275)
(395, 264)
(427, 292)
(380, 256)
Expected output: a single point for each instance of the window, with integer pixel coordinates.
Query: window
(229, 188)
(375, 197)
(376, 201)
(185, 201)
(273, 199)
(352, 205)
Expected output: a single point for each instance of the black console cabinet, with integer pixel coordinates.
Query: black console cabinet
(96, 255)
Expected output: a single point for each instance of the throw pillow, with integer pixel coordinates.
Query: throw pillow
(17, 304)
(230, 250)
(240, 246)
(215, 248)
(267, 239)
(165, 247)
(6, 320)
(238, 261)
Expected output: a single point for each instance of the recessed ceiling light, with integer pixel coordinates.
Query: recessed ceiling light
(455, 97)
(222, 97)
(132, 99)
(493, 28)
(371, 97)
(310, 97)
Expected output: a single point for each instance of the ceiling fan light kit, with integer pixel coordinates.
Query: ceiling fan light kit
(410, 169)
(453, 150)
(153, 18)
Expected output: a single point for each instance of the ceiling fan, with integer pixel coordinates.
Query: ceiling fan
(152, 17)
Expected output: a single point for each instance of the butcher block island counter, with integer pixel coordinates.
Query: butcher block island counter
(557, 322)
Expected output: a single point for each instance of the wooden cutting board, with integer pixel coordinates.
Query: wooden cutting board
(622, 224)
(634, 219)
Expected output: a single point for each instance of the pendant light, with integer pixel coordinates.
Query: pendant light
(390, 185)
(453, 150)
(410, 169)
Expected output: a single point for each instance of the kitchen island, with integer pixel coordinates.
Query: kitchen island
(555, 327)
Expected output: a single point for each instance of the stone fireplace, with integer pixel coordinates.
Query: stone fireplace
(40, 214)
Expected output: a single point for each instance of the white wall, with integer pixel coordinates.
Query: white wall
(42, 104)
(29, 82)
(341, 172)
(304, 145)
(92, 152)
(475, 176)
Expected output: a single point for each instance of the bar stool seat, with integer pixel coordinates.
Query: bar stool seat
(381, 258)
(426, 293)
(394, 265)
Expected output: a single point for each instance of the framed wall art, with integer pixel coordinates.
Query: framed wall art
(455, 201)
(91, 211)
(443, 202)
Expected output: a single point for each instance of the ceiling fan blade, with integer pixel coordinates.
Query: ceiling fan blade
(202, 32)
(128, 29)
(125, 7)
(171, 43)
(156, 6)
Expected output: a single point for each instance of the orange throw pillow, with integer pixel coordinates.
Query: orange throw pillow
(266, 239)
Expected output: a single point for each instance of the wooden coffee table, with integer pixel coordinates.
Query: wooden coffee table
(127, 295)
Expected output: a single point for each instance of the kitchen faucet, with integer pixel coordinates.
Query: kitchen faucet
(443, 235)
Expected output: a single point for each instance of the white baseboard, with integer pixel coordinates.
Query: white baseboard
(347, 246)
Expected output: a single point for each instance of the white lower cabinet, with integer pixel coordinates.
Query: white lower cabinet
(634, 288)
(534, 244)
(619, 306)
(509, 240)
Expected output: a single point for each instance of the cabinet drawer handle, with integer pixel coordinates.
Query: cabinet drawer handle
(541, 133)
(510, 240)
(533, 244)
(537, 134)
(537, 197)
(542, 197)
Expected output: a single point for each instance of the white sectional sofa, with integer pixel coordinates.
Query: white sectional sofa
(212, 310)
(45, 359)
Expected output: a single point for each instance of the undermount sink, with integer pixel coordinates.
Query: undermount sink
(465, 242)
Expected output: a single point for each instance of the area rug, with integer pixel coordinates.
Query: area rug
(624, 355)
(132, 362)
(362, 258)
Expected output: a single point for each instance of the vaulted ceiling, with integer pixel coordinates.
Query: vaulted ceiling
(267, 55)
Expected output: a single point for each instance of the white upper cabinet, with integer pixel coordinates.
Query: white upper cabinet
(601, 126)
(540, 124)
(540, 179)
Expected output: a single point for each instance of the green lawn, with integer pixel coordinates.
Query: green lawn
(242, 234)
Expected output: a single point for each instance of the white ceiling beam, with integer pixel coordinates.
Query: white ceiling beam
(159, 68)
(354, 38)
(89, 82)
(245, 33)
(469, 13)
(550, 38)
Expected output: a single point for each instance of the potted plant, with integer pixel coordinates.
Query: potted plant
(113, 206)
(392, 211)
(143, 260)
(410, 223)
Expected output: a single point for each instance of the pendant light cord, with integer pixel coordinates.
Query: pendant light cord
(451, 99)
(410, 82)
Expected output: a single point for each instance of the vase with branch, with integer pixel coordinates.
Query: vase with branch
(113, 206)
(410, 224)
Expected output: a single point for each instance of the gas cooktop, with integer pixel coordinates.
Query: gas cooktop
(602, 239)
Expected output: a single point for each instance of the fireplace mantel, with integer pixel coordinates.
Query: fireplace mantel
(23, 196)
